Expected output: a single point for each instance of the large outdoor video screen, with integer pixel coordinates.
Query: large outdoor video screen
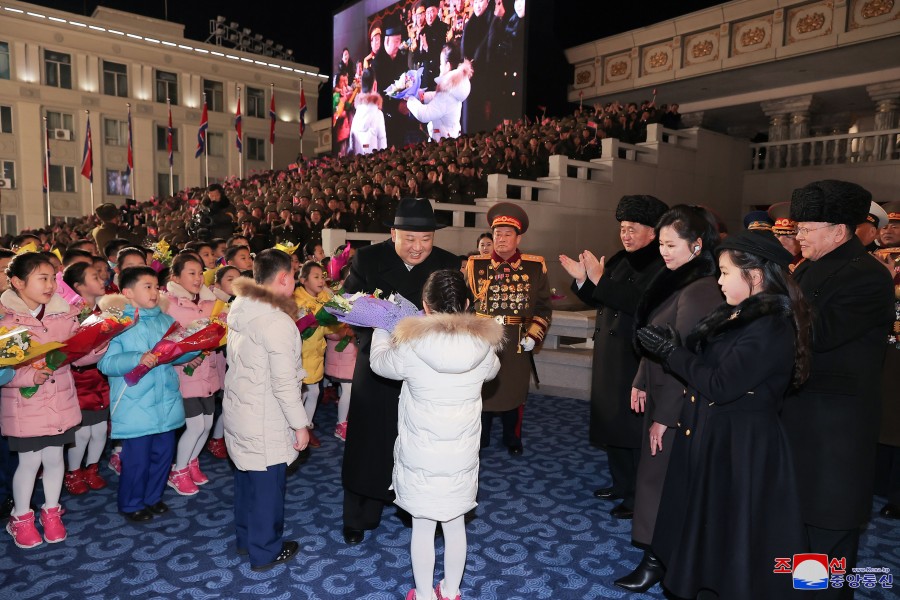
(415, 70)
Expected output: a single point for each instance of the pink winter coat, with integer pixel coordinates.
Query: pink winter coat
(54, 408)
(210, 375)
(339, 365)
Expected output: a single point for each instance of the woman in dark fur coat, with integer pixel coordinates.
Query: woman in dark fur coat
(730, 504)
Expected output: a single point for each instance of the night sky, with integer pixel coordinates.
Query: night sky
(306, 28)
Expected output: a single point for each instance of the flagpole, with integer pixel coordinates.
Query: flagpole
(301, 117)
(168, 134)
(131, 148)
(272, 137)
(240, 150)
(88, 115)
(47, 168)
(206, 146)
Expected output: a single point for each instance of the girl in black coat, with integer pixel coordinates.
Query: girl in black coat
(730, 503)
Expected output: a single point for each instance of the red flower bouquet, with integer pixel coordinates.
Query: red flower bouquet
(202, 334)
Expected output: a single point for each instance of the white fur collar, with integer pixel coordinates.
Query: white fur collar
(177, 290)
(57, 306)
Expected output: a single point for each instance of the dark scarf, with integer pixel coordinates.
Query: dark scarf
(727, 318)
(644, 257)
(667, 282)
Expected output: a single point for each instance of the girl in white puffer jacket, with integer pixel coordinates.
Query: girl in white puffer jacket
(443, 358)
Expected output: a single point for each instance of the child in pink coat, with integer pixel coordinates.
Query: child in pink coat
(339, 366)
(189, 300)
(38, 427)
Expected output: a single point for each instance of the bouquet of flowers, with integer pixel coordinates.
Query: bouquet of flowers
(218, 318)
(16, 347)
(200, 335)
(162, 255)
(406, 86)
(95, 331)
(368, 310)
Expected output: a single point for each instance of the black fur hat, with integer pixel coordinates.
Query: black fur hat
(831, 201)
(642, 209)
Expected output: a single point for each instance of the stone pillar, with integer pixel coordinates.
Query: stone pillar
(887, 108)
(788, 119)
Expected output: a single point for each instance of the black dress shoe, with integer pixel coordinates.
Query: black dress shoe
(353, 536)
(891, 511)
(622, 512)
(6, 508)
(288, 550)
(515, 450)
(160, 508)
(606, 493)
(138, 516)
(648, 573)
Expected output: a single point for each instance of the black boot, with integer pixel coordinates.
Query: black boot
(648, 573)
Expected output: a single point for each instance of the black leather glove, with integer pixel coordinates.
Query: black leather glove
(659, 341)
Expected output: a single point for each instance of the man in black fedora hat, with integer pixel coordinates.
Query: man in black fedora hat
(399, 265)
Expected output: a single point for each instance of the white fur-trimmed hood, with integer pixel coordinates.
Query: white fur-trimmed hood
(450, 343)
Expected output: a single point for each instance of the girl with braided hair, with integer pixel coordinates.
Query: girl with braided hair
(443, 359)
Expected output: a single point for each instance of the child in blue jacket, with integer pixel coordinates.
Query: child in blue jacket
(144, 416)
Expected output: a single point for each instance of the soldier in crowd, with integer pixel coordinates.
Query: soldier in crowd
(512, 288)
(758, 220)
(889, 439)
(785, 229)
(401, 265)
(615, 287)
(110, 227)
(832, 421)
(868, 230)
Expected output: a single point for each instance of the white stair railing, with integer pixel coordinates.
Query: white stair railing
(843, 149)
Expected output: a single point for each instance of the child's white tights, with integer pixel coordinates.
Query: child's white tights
(421, 550)
(91, 439)
(344, 402)
(310, 399)
(191, 442)
(218, 431)
(26, 474)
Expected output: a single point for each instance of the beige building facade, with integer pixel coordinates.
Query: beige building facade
(67, 68)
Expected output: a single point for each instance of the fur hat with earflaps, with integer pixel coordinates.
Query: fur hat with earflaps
(831, 201)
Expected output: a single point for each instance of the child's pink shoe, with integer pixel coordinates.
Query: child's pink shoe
(23, 531)
(92, 477)
(197, 475)
(51, 520)
(340, 431)
(75, 483)
(440, 595)
(182, 483)
(115, 463)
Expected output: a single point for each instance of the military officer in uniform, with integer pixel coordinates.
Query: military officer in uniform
(785, 229)
(868, 231)
(512, 288)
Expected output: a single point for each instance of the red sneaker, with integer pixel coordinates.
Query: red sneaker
(92, 477)
(340, 431)
(440, 595)
(115, 463)
(182, 482)
(23, 531)
(197, 475)
(217, 448)
(313, 440)
(75, 483)
(51, 520)
(330, 395)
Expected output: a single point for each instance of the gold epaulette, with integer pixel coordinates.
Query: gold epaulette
(536, 258)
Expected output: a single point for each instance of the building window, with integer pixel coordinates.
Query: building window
(215, 95)
(161, 138)
(57, 123)
(4, 60)
(216, 144)
(118, 183)
(5, 119)
(58, 69)
(7, 174)
(162, 184)
(256, 103)
(166, 87)
(115, 132)
(256, 149)
(62, 178)
(10, 223)
(115, 79)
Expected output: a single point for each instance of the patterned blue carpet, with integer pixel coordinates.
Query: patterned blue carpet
(539, 534)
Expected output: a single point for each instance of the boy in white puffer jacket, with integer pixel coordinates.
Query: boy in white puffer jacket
(443, 358)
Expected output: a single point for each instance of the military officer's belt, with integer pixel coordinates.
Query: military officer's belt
(506, 319)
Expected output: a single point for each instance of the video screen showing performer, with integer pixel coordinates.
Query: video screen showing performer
(415, 70)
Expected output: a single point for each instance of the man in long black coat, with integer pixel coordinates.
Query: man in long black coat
(615, 289)
(832, 422)
(399, 265)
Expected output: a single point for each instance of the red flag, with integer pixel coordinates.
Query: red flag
(272, 119)
(87, 159)
(302, 112)
(239, 140)
(169, 134)
(201, 133)
(130, 144)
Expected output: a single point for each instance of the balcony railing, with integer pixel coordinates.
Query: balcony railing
(844, 149)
